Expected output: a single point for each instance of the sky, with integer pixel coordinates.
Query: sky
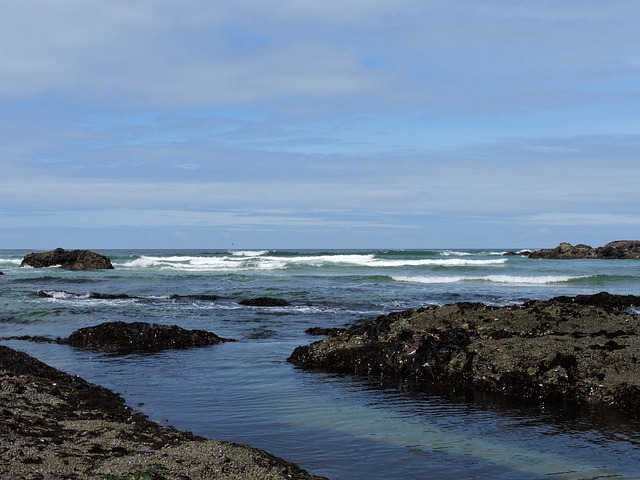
(318, 124)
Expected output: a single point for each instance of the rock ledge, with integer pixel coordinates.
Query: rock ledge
(583, 349)
(54, 425)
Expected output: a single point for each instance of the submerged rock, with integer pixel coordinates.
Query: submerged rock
(264, 302)
(140, 337)
(619, 249)
(68, 259)
(92, 295)
(585, 350)
(204, 297)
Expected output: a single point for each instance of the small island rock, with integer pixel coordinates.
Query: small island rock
(140, 337)
(68, 259)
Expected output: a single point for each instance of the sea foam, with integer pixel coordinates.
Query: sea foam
(260, 260)
(507, 279)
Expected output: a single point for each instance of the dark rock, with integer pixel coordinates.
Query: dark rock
(1, 273)
(581, 351)
(140, 337)
(620, 249)
(68, 259)
(264, 302)
(565, 251)
(604, 300)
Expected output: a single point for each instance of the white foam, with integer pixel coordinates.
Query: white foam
(10, 261)
(248, 253)
(62, 295)
(250, 260)
(446, 262)
(507, 279)
(416, 279)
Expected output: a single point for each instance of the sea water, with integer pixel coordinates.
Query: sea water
(340, 426)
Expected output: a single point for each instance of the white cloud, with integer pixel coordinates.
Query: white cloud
(492, 110)
(591, 219)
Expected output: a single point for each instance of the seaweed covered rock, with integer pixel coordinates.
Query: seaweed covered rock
(566, 251)
(68, 259)
(140, 337)
(620, 249)
(585, 351)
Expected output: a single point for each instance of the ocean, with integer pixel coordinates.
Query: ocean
(339, 426)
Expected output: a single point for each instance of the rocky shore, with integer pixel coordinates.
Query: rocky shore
(619, 249)
(57, 426)
(583, 350)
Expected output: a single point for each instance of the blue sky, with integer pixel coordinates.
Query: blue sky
(318, 124)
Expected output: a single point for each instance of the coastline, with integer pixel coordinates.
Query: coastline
(55, 425)
(246, 393)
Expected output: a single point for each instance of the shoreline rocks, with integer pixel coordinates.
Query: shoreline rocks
(583, 350)
(55, 425)
(619, 249)
(68, 260)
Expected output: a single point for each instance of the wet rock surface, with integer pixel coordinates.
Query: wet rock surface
(320, 331)
(68, 259)
(135, 337)
(54, 425)
(583, 350)
(140, 337)
(264, 302)
(619, 249)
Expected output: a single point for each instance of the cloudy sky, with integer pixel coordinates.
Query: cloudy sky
(318, 124)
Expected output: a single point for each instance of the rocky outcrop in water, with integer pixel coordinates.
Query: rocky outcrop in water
(135, 337)
(54, 425)
(264, 302)
(140, 337)
(620, 249)
(583, 349)
(68, 259)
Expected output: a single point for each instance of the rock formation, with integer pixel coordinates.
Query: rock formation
(135, 337)
(140, 337)
(67, 259)
(620, 249)
(583, 349)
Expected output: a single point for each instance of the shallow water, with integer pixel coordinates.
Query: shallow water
(333, 425)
